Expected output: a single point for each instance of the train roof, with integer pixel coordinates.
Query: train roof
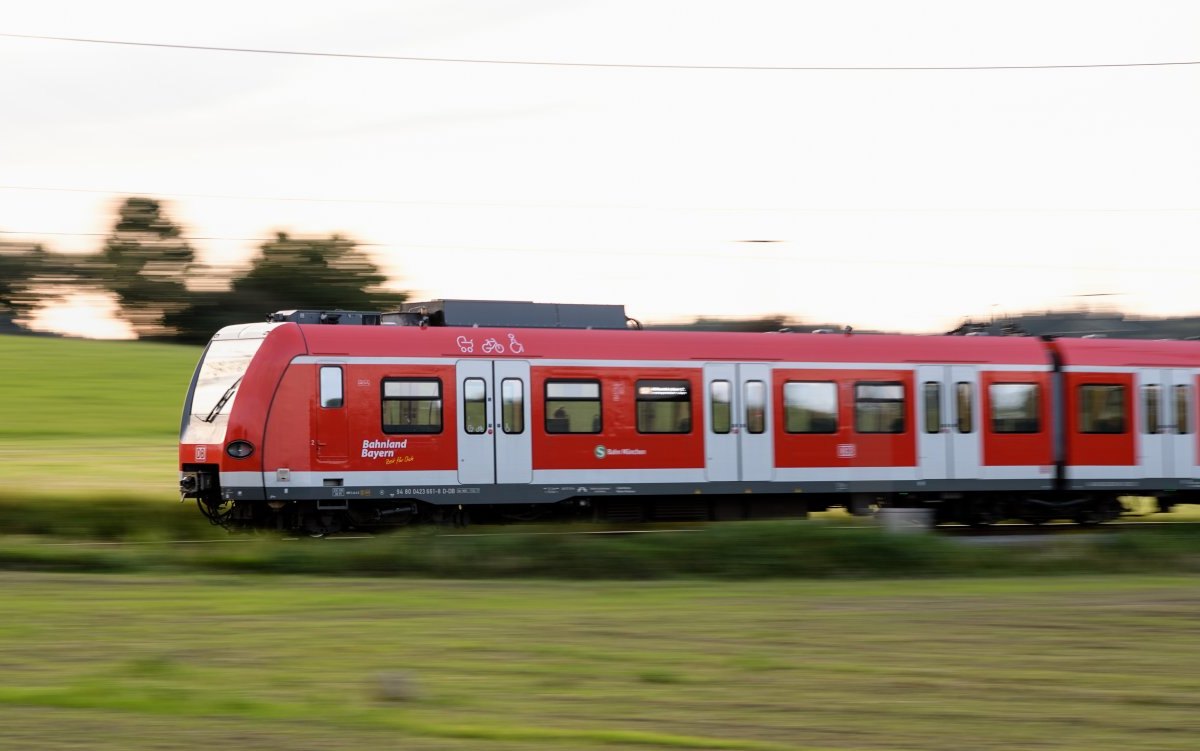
(625, 345)
(1129, 352)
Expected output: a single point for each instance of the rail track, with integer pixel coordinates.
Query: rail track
(1008, 530)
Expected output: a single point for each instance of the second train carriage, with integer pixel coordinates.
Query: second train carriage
(516, 409)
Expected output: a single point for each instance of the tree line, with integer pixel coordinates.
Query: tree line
(165, 294)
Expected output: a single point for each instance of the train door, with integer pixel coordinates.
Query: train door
(1165, 413)
(514, 447)
(474, 418)
(934, 423)
(330, 431)
(1184, 414)
(948, 424)
(720, 429)
(967, 431)
(753, 418)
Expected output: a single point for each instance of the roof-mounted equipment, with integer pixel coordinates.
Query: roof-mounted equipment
(471, 313)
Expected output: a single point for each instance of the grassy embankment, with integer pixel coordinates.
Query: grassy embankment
(86, 418)
(88, 435)
(135, 662)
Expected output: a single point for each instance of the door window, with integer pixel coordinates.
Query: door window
(512, 406)
(475, 406)
(721, 396)
(933, 406)
(756, 407)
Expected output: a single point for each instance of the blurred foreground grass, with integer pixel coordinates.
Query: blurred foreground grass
(726, 551)
(110, 662)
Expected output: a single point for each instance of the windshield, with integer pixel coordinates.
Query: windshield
(224, 365)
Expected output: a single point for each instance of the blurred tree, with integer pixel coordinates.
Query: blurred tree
(32, 278)
(290, 273)
(20, 264)
(144, 263)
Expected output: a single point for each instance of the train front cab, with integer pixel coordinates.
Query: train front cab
(225, 410)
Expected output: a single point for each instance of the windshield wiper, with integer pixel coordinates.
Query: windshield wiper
(221, 402)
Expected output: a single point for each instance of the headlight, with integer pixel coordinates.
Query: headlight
(239, 449)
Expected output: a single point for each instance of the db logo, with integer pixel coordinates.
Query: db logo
(600, 452)
(202, 453)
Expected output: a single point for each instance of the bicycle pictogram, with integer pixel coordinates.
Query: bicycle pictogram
(490, 346)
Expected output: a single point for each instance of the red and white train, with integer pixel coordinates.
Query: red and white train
(319, 421)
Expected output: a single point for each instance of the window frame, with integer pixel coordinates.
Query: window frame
(324, 398)
(758, 427)
(1152, 409)
(787, 407)
(505, 409)
(1081, 403)
(727, 403)
(860, 400)
(964, 419)
(993, 421)
(639, 400)
(468, 402)
(406, 429)
(932, 414)
(1183, 407)
(599, 400)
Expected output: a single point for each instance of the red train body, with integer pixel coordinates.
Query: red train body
(311, 426)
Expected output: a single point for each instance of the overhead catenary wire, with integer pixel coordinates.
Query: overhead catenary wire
(617, 206)
(682, 252)
(569, 64)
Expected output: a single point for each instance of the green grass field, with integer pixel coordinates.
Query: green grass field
(132, 662)
(78, 416)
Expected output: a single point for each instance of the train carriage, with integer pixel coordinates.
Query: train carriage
(1130, 415)
(324, 420)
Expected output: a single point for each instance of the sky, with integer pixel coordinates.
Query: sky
(905, 200)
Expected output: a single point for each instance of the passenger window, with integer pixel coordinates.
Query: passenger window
(412, 405)
(331, 387)
(475, 406)
(720, 395)
(1016, 407)
(1151, 396)
(964, 401)
(756, 406)
(933, 406)
(1102, 408)
(512, 405)
(664, 407)
(1183, 401)
(810, 407)
(879, 407)
(573, 407)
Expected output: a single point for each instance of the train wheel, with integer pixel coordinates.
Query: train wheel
(985, 513)
(320, 525)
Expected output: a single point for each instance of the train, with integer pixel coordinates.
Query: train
(450, 411)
